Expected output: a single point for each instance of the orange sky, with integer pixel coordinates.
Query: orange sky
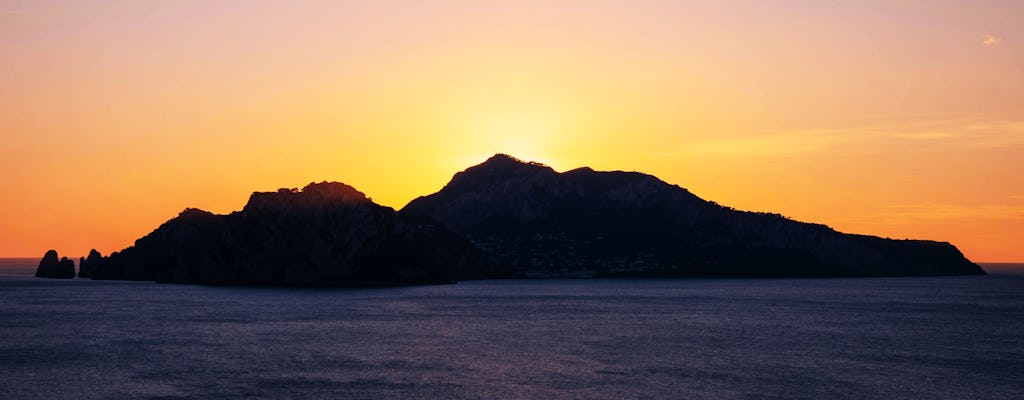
(893, 118)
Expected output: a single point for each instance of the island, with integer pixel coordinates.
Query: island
(504, 218)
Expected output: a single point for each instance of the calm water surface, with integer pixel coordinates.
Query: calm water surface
(930, 338)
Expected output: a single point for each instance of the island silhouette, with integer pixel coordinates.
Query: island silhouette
(503, 218)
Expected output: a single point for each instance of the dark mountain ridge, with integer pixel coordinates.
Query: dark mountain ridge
(536, 222)
(502, 218)
(326, 234)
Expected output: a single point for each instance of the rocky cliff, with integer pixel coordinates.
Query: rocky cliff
(323, 234)
(536, 222)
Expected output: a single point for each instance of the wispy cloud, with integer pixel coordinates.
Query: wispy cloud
(946, 212)
(786, 143)
(991, 40)
(938, 213)
(931, 135)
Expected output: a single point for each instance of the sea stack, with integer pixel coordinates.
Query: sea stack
(87, 266)
(50, 267)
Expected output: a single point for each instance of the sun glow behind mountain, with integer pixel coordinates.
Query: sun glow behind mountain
(900, 120)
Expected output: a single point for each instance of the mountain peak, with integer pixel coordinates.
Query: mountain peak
(499, 167)
(313, 194)
(335, 191)
(502, 157)
(502, 160)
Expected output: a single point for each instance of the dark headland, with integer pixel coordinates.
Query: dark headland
(505, 218)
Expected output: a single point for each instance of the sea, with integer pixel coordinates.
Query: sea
(872, 338)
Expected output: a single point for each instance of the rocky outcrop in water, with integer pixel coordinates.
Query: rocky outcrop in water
(86, 266)
(537, 222)
(51, 267)
(324, 234)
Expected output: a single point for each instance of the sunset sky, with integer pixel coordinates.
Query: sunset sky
(903, 119)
